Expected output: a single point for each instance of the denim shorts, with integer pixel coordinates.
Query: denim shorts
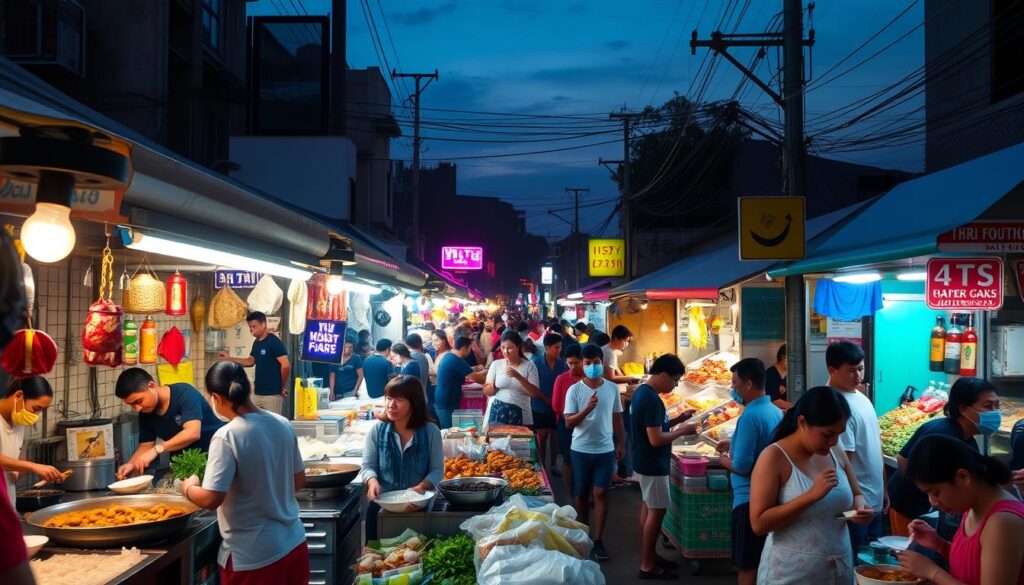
(590, 471)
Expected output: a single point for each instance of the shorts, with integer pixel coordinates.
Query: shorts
(292, 569)
(543, 421)
(746, 546)
(564, 436)
(654, 491)
(592, 471)
(273, 403)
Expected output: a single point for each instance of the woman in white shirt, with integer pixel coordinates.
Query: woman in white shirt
(20, 406)
(511, 382)
(252, 474)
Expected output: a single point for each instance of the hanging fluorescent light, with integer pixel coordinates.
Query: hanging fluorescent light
(574, 296)
(664, 327)
(47, 234)
(915, 276)
(691, 304)
(858, 277)
(165, 247)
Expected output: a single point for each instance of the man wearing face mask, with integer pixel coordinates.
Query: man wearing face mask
(593, 411)
(753, 433)
(620, 339)
(972, 409)
(177, 414)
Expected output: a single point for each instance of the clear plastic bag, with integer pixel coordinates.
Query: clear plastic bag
(454, 447)
(533, 565)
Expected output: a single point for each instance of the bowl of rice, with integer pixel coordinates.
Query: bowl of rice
(399, 500)
(34, 543)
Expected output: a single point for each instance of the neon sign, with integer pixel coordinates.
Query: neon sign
(462, 258)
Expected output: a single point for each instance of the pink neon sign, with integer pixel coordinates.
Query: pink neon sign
(462, 258)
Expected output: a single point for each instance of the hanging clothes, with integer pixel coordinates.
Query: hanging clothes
(847, 301)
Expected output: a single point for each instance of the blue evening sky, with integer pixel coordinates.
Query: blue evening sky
(585, 59)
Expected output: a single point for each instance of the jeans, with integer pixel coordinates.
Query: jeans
(625, 467)
(861, 536)
(444, 417)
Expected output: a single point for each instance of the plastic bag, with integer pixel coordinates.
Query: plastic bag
(536, 566)
(455, 446)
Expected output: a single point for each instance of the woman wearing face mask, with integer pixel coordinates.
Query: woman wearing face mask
(972, 409)
(403, 451)
(511, 382)
(987, 548)
(800, 485)
(19, 409)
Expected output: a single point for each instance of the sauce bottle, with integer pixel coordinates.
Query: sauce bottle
(148, 343)
(937, 356)
(131, 341)
(969, 349)
(953, 337)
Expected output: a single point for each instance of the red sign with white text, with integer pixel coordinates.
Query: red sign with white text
(984, 237)
(964, 284)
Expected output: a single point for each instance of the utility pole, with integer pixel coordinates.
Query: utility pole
(624, 181)
(576, 230)
(416, 141)
(792, 42)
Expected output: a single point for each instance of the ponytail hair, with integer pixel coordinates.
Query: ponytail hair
(229, 380)
(937, 459)
(820, 406)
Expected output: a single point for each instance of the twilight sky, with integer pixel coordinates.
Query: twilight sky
(544, 74)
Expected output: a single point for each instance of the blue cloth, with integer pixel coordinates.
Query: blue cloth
(268, 369)
(399, 469)
(547, 381)
(648, 410)
(451, 374)
(412, 369)
(504, 413)
(847, 301)
(186, 403)
(377, 370)
(345, 376)
(904, 497)
(753, 433)
(444, 417)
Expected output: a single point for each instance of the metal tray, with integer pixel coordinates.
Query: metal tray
(327, 480)
(108, 536)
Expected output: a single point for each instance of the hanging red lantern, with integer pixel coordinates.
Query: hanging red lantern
(177, 293)
(31, 353)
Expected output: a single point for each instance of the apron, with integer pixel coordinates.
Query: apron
(816, 547)
(11, 440)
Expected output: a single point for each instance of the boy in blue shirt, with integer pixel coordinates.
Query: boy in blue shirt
(754, 431)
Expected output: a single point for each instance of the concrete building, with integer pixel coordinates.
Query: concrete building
(974, 98)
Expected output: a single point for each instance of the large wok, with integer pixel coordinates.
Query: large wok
(343, 475)
(109, 536)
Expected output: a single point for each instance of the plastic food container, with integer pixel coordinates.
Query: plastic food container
(718, 483)
(693, 466)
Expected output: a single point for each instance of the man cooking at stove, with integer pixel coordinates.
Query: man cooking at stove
(177, 414)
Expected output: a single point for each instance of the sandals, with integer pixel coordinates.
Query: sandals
(658, 574)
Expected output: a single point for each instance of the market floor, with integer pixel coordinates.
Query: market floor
(622, 539)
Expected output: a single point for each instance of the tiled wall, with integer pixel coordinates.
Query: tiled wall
(62, 303)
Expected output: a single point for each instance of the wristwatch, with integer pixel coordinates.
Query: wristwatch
(159, 448)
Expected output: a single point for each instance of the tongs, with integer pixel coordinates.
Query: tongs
(63, 477)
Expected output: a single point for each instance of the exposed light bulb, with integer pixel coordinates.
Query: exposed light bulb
(664, 327)
(643, 305)
(335, 285)
(47, 234)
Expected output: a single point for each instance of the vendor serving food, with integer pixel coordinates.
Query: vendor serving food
(177, 414)
(20, 406)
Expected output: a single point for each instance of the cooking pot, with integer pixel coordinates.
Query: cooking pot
(89, 474)
(37, 499)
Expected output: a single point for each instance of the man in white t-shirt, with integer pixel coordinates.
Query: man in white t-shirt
(862, 440)
(620, 340)
(593, 411)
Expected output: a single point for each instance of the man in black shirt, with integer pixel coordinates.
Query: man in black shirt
(176, 414)
(269, 355)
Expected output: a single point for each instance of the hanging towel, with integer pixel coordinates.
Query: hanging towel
(298, 299)
(847, 301)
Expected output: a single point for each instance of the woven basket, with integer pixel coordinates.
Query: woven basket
(146, 295)
(227, 309)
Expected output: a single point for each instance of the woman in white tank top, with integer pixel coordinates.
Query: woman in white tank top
(799, 487)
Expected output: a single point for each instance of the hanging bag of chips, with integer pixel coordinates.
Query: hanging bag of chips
(102, 336)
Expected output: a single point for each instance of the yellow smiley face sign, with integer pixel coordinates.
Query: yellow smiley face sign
(772, 228)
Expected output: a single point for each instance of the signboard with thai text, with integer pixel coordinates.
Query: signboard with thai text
(607, 257)
(998, 237)
(462, 258)
(236, 278)
(964, 284)
(323, 341)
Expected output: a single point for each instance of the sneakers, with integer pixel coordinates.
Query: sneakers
(600, 554)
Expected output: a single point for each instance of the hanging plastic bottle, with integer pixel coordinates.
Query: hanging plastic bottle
(147, 342)
(131, 341)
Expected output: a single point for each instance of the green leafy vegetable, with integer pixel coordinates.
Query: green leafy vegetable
(450, 561)
(188, 463)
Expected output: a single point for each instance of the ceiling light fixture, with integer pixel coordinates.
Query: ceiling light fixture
(913, 276)
(858, 277)
(47, 234)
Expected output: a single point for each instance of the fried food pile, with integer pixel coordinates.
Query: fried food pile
(523, 480)
(496, 463)
(114, 515)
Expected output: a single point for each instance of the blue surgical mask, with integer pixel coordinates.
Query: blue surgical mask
(989, 421)
(736, 396)
(593, 371)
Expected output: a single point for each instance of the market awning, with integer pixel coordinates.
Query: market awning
(165, 184)
(591, 293)
(906, 221)
(702, 276)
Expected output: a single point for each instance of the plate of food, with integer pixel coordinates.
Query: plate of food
(896, 543)
(885, 574)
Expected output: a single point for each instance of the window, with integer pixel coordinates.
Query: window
(290, 83)
(1007, 46)
(211, 22)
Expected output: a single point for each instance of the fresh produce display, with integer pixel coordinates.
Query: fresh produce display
(711, 371)
(897, 426)
(671, 399)
(514, 524)
(188, 463)
(701, 405)
(718, 416)
(390, 554)
(449, 561)
(632, 369)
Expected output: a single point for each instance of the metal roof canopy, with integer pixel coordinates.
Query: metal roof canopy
(906, 221)
(702, 276)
